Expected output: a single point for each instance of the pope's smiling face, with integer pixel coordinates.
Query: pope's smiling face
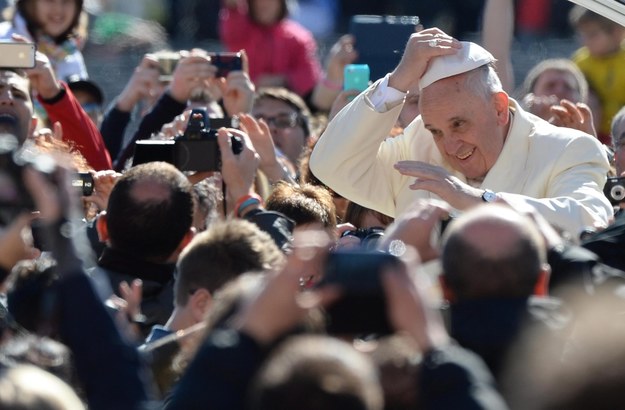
(469, 129)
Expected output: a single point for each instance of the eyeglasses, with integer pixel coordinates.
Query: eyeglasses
(281, 120)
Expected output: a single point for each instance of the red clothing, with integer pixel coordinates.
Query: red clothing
(285, 48)
(78, 129)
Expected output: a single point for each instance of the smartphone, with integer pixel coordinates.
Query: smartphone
(226, 62)
(361, 308)
(356, 77)
(17, 55)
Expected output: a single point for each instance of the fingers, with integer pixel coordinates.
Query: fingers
(19, 38)
(585, 112)
(58, 130)
(421, 170)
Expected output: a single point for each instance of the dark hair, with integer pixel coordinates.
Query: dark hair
(291, 99)
(284, 11)
(151, 227)
(303, 203)
(355, 214)
(27, 9)
(297, 375)
(32, 298)
(220, 254)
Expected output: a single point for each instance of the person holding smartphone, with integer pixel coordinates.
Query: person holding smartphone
(57, 29)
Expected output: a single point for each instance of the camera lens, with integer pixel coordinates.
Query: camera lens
(618, 192)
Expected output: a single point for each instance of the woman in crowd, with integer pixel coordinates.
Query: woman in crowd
(58, 27)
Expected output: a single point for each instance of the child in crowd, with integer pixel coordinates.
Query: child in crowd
(281, 52)
(58, 27)
(602, 60)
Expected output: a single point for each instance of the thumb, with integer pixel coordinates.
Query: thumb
(223, 140)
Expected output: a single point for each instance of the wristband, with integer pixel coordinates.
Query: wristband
(245, 201)
(329, 84)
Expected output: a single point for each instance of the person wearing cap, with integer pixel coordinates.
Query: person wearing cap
(472, 143)
(89, 95)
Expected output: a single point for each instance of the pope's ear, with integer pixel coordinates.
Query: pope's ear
(501, 104)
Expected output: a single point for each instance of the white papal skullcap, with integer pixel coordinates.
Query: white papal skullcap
(469, 57)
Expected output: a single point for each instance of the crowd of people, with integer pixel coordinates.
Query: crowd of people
(266, 239)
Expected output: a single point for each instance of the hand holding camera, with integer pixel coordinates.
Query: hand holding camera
(238, 170)
(194, 70)
(144, 83)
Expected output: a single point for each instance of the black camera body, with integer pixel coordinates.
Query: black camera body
(226, 62)
(369, 237)
(84, 183)
(614, 190)
(361, 308)
(195, 150)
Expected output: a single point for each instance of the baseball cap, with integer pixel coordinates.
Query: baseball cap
(75, 83)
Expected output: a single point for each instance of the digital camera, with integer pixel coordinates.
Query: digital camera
(195, 150)
(614, 190)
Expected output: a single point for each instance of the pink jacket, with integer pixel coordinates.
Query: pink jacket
(285, 48)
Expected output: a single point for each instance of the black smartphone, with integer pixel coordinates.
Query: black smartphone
(361, 308)
(380, 40)
(226, 62)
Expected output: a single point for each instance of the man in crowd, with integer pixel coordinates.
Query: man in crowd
(17, 112)
(494, 261)
(146, 225)
(472, 143)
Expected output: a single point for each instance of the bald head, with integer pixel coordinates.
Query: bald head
(492, 251)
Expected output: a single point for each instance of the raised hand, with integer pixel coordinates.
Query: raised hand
(420, 49)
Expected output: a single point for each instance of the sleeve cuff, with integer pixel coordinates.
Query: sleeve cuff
(56, 98)
(384, 98)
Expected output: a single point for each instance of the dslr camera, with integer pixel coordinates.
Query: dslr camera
(369, 237)
(195, 150)
(614, 190)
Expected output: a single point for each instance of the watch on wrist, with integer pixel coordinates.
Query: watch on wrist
(489, 196)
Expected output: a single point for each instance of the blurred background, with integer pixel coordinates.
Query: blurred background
(121, 31)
